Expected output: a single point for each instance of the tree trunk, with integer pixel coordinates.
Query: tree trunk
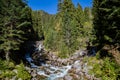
(7, 56)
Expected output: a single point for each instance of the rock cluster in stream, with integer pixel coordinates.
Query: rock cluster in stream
(78, 71)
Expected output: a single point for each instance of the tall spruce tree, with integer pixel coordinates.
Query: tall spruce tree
(86, 14)
(37, 23)
(106, 21)
(69, 30)
(79, 15)
(80, 20)
(14, 24)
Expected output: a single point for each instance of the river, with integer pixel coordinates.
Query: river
(52, 72)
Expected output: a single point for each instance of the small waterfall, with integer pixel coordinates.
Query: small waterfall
(52, 72)
(30, 60)
(39, 48)
(28, 57)
(92, 51)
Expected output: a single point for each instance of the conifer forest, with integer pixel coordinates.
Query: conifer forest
(76, 43)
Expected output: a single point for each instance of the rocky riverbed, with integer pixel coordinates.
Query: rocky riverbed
(48, 66)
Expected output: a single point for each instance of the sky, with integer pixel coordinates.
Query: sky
(50, 6)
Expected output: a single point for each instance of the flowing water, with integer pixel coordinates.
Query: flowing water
(30, 60)
(49, 71)
(52, 72)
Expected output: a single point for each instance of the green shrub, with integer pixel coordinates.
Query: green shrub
(63, 50)
(3, 65)
(106, 68)
(11, 65)
(22, 73)
(7, 74)
(109, 69)
(6, 69)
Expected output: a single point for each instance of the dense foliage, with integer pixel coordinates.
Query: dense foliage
(15, 25)
(12, 71)
(105, 69)
(107, 30)
(106, 21)
(66, 31)
(106, 25)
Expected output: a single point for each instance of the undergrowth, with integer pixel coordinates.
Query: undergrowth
(10, 70)
(105, 68)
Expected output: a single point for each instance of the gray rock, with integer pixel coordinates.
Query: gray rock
(77, 65)
(34, 79)
(67, 77)
(59, 79)
(33, 73)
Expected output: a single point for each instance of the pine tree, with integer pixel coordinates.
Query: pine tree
(86, 14)
(69, 30)
(59, 6)
(14, 23)
(79, 15)
(37, 23)
(106, 21)
(80, 20)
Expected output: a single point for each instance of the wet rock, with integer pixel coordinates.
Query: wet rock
(41, 77)
(57, 71)
(67, 77)
(38, 58)
(79, 53)
(34, 79)
(80, 73)
(47, 72)
(72, 70)
(77, 65)
(59, 79)
(48, 62)
(74, 76)
(41, 67)
(33, 73)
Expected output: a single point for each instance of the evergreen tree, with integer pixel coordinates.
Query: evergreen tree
(80, 20)
(79, 15)
(41, 22)
(37, 23)
(69, 30)
(15, 22)
(86, 14)
(106, 21)
(59, 7)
